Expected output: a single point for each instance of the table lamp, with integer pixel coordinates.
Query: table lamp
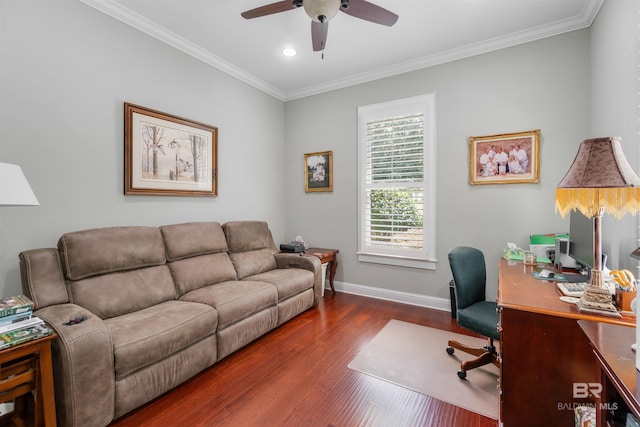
(14, 187)
(600, 179)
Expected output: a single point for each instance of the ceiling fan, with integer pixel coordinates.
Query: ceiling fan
(321, 11)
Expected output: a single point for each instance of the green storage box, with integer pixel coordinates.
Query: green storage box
(546, 239)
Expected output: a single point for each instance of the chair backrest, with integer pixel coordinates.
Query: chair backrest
(469, 275)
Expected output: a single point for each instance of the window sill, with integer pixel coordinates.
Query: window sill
(421, 263)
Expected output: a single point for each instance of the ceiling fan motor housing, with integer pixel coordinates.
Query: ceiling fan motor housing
(322, 10)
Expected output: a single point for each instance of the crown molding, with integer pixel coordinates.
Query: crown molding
(584, 20)
(139, 22)
(127, 16)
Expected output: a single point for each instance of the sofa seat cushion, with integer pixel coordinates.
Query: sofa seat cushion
(288, 281)
(235, 300)
(147, 336)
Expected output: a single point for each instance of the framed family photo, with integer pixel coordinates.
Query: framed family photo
(318, 175)
(168, 155)
(512, 158)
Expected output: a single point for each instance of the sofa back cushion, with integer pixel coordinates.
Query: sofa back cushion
(116, 270)
(251, 247)
(192, 239)
(106, 250)
(197, 255)
(114, 294)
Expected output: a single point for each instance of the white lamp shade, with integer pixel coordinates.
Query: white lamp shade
(14, 187)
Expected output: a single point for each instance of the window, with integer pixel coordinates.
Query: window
(396, 182)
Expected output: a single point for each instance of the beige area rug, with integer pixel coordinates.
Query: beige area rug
(414, 357)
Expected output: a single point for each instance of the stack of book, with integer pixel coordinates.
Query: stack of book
(17, 322)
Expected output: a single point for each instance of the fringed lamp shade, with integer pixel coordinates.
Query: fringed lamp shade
(599, 178)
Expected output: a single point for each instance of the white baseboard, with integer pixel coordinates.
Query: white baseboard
(435, 303)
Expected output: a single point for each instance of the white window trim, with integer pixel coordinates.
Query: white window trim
(425, 103)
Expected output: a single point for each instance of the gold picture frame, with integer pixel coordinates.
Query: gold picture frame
(166, 155)
(318, 171)
(510, 158)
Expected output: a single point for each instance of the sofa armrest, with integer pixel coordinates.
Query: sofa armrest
(42, 277)
(83, 370)
(311, 263)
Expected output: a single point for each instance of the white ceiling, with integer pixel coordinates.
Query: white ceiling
(428, 32)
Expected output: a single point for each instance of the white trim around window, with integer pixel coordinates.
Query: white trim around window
(396, 182)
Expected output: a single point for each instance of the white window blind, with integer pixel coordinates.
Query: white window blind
(396, 172)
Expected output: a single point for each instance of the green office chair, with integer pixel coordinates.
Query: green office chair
(473, 312)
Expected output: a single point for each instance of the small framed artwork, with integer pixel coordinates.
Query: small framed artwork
(511, 158)
(167, 155)
(318, 171)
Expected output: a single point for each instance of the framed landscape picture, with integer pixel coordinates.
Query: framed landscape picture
(511, 158)
(318, 175)
(168, 155)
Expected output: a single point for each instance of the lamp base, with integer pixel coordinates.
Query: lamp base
(597, 298)
(597, 309)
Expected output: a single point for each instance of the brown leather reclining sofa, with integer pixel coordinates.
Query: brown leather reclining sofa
(157, 305)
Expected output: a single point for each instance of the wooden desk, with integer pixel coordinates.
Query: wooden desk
(24, 368)
(617, 373)
(326, 255)
(543, 350)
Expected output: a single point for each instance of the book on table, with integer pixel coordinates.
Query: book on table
(15, 305)
(13, 318)
(22, 335)
(25, 323)
(17, 322)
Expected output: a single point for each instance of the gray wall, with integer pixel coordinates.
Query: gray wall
(66, 69)
(615, 60)
(541, 85)
(65, 72)
(575, 86)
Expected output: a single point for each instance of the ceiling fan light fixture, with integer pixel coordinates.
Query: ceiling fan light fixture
(321, 10)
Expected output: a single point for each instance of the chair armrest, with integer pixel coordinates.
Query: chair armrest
(84, 376)
(306, 262)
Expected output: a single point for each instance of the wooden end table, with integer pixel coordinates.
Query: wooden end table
(326, 255)
(23, 368)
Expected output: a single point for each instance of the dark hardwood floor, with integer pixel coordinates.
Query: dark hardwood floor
(297, 375)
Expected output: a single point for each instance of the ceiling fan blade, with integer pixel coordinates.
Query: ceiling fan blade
(319, 35)
(370, 12)
(269, 9)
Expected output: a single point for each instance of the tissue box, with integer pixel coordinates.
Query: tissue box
(513, 254)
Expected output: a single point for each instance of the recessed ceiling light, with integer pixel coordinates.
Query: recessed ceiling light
(289, 51)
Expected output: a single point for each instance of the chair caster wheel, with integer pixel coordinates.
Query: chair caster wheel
(450, 350)
(462, 375)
